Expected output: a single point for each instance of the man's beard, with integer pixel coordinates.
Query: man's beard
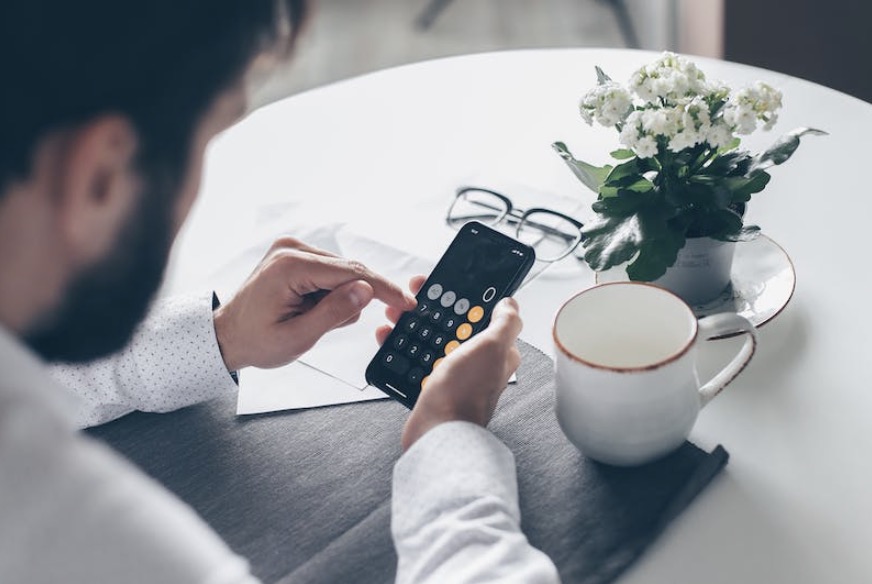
(105, 302)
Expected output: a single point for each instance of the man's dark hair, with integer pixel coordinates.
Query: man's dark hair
(160, 63)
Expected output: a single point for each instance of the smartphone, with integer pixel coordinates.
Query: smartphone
(480, 267)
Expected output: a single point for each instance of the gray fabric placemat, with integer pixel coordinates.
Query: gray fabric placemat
(305, 495)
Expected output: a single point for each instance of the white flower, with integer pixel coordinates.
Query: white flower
(668, 80)
(719, 135)
(675, 108)
(742, 120)
(715, 90)
(660, 121)
(608, 104)
(683, 125)
(634, 136)
(685, 139)
(632, 130)
(746, 107)
(646, 147)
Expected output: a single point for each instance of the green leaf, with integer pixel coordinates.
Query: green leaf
(622, 154)
(743, 187)
(591, 176)
(644, 237)
(601, 77)
(608, 192)
(611, 241)
(783, 148)
(623, 204)
(629, 172)
(642, 185)
(730, 164)
(655, 257)
(732, 145)
(724, 224)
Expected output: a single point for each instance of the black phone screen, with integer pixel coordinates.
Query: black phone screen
(480, 267)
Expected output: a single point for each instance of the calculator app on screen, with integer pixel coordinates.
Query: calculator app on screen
(480, 267)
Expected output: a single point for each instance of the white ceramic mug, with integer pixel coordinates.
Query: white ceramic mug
(626, 378)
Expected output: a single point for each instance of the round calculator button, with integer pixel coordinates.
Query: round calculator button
(451, 346)
(448, 299)
(489, 294)
(461, 306)
(475, 314)
(438, 362)
(434, 291)
(464, 331)
(424, 382)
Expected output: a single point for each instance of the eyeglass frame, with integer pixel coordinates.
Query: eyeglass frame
(511, 212)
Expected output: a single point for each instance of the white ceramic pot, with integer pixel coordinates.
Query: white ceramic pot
(702, 270)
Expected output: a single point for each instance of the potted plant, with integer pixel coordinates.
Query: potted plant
(672, 204)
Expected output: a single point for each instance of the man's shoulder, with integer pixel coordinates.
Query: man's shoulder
(82, 505)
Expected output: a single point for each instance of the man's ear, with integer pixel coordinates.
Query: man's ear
(97, 185)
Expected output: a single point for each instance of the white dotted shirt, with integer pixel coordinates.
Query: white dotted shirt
(172, 361)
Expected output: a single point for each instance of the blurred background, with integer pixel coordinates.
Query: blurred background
(826, 42)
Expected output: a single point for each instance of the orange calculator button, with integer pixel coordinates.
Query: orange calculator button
(475, 314)
(438, 362)
(464, 331)
(451, 346)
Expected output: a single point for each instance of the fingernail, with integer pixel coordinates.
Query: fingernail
(359, 298)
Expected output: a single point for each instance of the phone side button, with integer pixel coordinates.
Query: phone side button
(396, 363)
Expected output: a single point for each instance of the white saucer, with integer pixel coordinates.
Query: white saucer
(763, 281)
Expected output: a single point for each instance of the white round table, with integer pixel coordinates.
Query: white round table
(385, 152)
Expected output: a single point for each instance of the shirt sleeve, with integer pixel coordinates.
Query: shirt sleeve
(172, 361)
(455, 512)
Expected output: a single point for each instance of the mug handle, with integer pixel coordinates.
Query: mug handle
(719, 325)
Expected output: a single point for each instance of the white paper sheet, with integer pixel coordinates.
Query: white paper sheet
(333, 371)
(344, 353)
(295, 386)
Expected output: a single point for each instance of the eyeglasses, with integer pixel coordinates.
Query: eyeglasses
(553, 235)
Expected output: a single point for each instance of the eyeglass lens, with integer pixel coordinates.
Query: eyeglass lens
(476, 205)
(551, 235)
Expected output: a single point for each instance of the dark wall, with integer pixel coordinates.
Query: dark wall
(826, 41)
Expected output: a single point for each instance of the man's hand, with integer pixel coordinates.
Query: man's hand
(468, 383)
(295, 295)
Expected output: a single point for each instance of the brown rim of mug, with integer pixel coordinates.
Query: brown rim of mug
(665, 361)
